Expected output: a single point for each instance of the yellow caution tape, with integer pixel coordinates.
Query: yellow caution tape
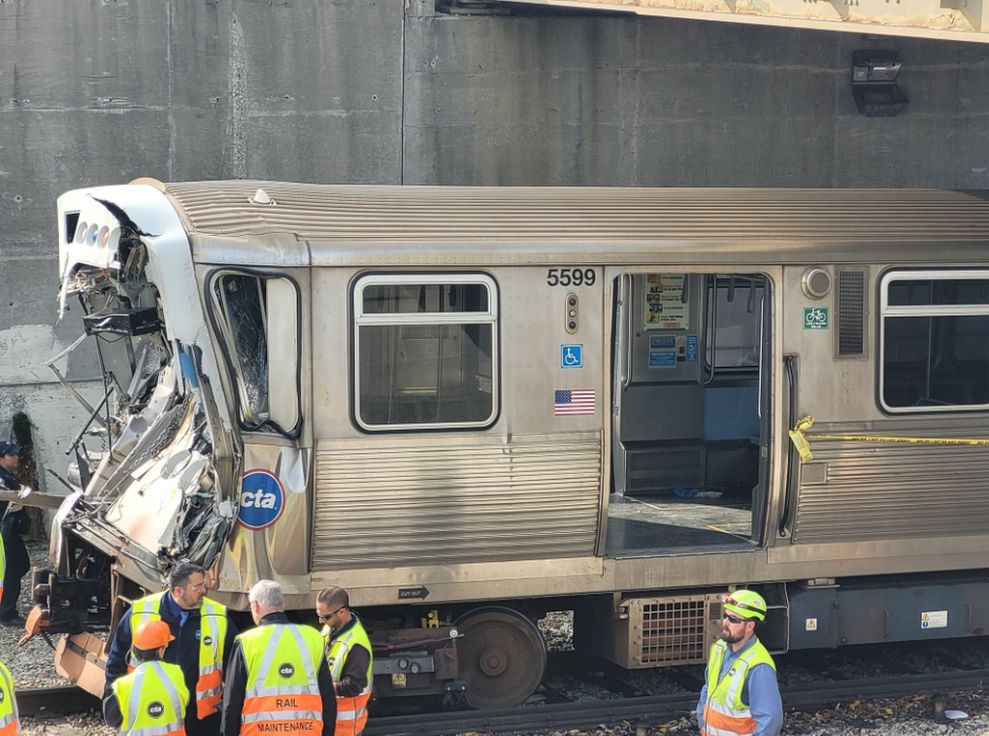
(799, 437)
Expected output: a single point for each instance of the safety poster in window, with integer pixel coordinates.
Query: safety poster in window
(666, 304)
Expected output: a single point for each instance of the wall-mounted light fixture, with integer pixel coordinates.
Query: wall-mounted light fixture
(874, 83)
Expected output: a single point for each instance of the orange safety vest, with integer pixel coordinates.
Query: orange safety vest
(212, 636)
(282, 691)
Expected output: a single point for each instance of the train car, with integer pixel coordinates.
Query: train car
(472, 406)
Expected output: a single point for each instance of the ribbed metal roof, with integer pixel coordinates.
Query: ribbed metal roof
(347, 215)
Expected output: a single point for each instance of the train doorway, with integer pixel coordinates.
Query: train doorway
(690, 412)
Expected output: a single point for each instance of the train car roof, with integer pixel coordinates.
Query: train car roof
(319, 224)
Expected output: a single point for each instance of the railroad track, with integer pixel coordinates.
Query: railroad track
(658, 708)
(60, 701)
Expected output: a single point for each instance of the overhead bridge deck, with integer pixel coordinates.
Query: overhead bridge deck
(956, 20)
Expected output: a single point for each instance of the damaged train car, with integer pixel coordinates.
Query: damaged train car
(471, 406)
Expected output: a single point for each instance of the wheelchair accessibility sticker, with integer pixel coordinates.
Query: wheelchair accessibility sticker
(571, 356)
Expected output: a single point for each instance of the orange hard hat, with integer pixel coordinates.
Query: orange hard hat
(152, 634)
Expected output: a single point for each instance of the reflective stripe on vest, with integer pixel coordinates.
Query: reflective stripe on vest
(351, 712)
(725, 714)
(282, 692)
(10, 723)
(212, 636)
(152, 700)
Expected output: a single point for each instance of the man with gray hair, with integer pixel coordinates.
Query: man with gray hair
(203, 637)
(277, 681)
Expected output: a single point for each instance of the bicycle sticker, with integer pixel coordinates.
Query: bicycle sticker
(815, 318)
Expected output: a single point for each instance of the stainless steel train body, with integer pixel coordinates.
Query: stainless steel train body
(470, 406)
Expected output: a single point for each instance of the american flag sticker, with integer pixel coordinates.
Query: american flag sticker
(573, 401)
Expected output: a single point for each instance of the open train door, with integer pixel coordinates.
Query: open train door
(690, 419)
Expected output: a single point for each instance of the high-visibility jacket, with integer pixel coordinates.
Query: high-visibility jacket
(351, 712)
(10, 724)
(282, 691)
(212, 635)
(724, 712)
(152, 700)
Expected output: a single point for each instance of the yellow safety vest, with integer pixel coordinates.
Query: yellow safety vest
(152, 700)
(351, 712)
(10, 724)
(282, 692)
(724, 712)
(212, 635)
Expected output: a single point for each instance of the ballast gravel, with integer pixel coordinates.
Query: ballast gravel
(32, 667)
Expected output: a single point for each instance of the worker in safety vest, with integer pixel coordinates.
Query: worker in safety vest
(151, 700)
(10, 724)
(740, 693)
(278, 681)
(348, 652)
(203, 640)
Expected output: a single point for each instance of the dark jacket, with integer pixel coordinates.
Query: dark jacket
(184, 651)
(353, 676)
(12, 527)
(235, 683)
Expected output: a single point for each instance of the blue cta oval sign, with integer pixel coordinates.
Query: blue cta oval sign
(262, 499)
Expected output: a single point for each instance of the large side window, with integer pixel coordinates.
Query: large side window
(257, 318)
(934, 341)
(425, 350)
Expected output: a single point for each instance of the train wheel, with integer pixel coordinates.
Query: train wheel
(501, 655)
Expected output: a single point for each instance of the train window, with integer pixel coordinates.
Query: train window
(425, 349)
(934, 341)
(264, 365)
(734, 321)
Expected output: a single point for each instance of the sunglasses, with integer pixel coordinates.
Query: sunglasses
(733, 619)
(328, 616)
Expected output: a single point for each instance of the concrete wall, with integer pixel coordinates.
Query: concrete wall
(388, 91)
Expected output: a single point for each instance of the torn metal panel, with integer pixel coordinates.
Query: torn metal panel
(157, 483)
(949, 20)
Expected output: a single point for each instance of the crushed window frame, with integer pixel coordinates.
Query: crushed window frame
(217, 309)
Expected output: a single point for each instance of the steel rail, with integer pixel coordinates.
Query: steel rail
(60, 701)
(51, 702)
(657, 708)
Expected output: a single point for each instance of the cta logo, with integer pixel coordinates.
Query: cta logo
(286, 670)
(262, 499)
(156, 709)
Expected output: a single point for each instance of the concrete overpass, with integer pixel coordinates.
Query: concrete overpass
(957, 20)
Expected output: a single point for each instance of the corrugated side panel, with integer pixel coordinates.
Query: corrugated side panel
(892, 491)
(405, 502)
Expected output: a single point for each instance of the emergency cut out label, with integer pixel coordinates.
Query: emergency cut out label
(156, 709)
(286, 670)
(262, 499)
